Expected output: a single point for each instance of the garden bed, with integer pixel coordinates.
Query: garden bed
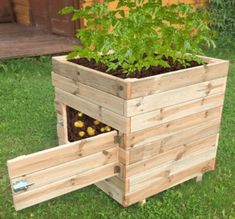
(119, 72)
(165, 109)
(168, 124)
(165, 131)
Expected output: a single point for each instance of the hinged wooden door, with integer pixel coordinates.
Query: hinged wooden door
(53, 172)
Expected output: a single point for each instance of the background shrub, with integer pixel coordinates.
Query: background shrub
(223, 19)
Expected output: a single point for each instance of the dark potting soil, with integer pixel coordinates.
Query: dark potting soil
(74, 116)
(153, 70)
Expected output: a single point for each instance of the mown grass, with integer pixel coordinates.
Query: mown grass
(28, 124)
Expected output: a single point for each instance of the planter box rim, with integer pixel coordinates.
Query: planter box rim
(211, 61)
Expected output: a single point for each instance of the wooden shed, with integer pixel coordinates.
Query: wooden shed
(38, 21)
(44, 13)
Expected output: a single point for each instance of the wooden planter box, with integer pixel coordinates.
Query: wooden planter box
(167, 132)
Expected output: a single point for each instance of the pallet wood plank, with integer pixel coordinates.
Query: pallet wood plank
(159, 146)
(108, 117)
(142, 137)
(113, 187)
(64, 186)
(20, 41)
(164, 157)
(54, 156)
(62, 138)
(96, 96)
(163, 115)
(177, 79)
(61, 116)
(173, 168)
(168, 182)
(199, 151)
(90, 77)
(53, 174)
(160, 100)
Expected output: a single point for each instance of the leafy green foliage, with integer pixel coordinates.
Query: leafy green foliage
(131, 38)
(223, 16)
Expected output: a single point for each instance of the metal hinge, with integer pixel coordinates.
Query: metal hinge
(61, 122)
(20, 185)
(117, 139)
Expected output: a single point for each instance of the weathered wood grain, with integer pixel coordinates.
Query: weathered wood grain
(26, 41)
(168, 182)
(63, 186)
(167, 143)
(27, 164)
(160, 100)
(108, 117)
(53, 174)
(174, 154)
(195, 153)
(142, 137)
(103, 99)
(177, 79)
(90, 77)
(114, 187)
(61, 116)
(174, 112)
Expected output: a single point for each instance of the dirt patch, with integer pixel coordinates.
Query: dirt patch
(153, 70)
(81, 126)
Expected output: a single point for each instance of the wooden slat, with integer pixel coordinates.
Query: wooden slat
(51, 157)
(88, 93)
(177, 79)
(157, 101)
(61, 115)
(22, 11)
(18, 40)
(108, 117)
(169, 142)
(62, 138)
(104, 82)
(168, 182)
(124, 156)
(167, 114)
(63, 186)
(113, 187)
(166, 130)
(159, 146)
(195, 153)
(164, 157)
(50, 175)
(21, 2)
(172, 168)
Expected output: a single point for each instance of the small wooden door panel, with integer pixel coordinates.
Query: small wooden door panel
(53, 172)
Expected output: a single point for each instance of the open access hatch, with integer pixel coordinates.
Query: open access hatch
(56, 171)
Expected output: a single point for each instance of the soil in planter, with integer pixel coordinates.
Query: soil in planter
(81, 126)
(153, 70)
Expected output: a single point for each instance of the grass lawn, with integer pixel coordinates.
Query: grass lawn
(28, 124)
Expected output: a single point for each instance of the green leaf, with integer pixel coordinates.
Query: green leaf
(147, 28)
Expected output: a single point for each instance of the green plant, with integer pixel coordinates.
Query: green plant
(144, 35)
(223, 16)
